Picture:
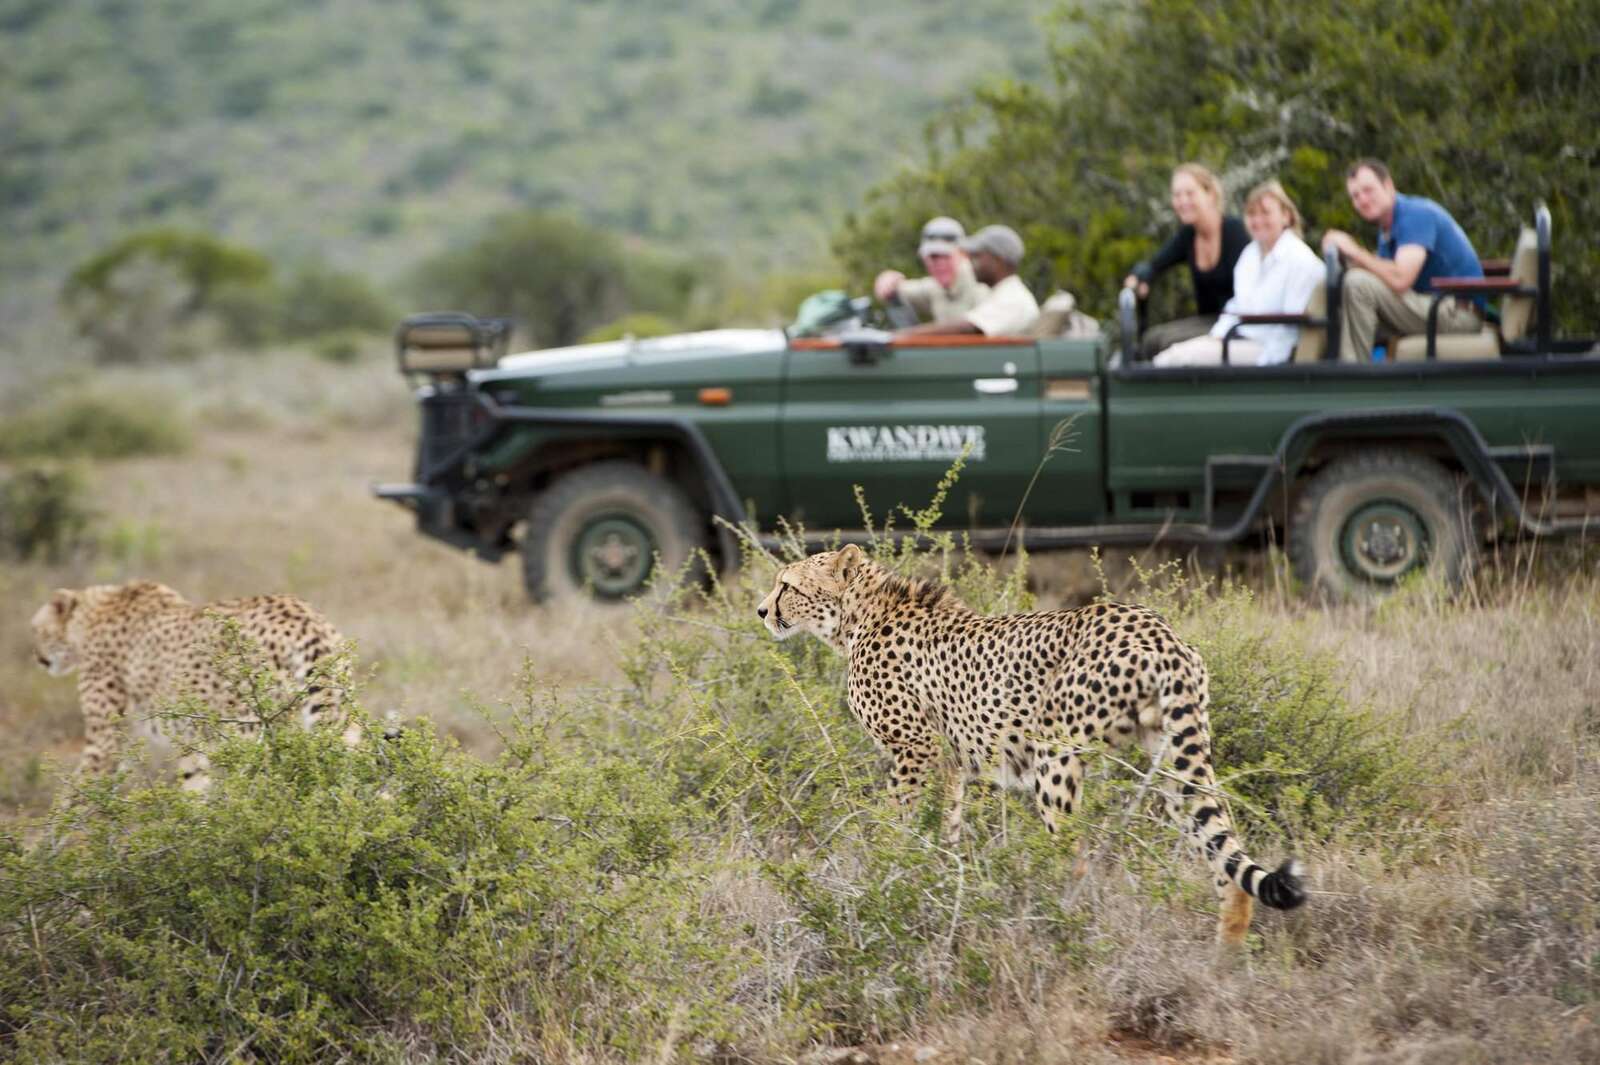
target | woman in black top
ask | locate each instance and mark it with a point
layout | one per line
(1208, 241)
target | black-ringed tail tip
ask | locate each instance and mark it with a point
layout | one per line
(1284, 889)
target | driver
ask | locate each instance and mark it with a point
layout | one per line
(1009, 309)
(950, 290)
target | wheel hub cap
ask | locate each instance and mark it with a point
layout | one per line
(614, 555)
(1383, 541)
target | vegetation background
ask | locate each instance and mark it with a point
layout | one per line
(735, 155)
(652, 834)
(369, 136)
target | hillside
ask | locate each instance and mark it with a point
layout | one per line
(370, 134)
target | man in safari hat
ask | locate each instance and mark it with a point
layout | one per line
(950, 289)
(1009, 309)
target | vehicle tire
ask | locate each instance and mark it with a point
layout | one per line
(1369, 520)
(599, 529)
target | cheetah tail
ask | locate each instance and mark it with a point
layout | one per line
(1282, 889)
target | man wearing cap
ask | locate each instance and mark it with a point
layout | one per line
(950, 289)
(1009, 309)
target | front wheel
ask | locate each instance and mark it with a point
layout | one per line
(1368, 521)
(600, 529)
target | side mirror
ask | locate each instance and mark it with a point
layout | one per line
(864, 347)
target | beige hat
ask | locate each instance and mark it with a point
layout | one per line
(941, 236)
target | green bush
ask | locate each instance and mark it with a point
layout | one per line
(92, 425)
(1299, 758)
(326, 903)
(43, 513)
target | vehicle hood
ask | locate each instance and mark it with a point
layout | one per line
(655, 354)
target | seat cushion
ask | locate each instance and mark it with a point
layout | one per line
(1456, 347)
(1517, 311)
(1313, 339)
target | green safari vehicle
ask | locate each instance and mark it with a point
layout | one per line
(597, 460)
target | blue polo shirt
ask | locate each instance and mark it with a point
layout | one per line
(1418, 220)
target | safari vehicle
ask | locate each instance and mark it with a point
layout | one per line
(595, 460)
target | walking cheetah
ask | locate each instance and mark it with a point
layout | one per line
(140, 647)
(1018, 696)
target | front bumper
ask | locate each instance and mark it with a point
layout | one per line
(436, 517)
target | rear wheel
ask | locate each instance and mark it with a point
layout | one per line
(600, 529)
(1368, 521)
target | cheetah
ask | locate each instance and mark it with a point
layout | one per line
(1017, 697)
(140, 647)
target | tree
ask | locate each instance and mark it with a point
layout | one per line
(558, 277)
(132, 300)
(1486, 107)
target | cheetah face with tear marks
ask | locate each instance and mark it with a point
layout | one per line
(805, 596)
(53, 645)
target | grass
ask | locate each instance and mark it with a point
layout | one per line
(791, 910)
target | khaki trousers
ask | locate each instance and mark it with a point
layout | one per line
(1371, 307)
(1163, 336)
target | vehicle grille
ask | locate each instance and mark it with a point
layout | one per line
(447, 425)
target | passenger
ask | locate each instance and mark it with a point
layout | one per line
(1276, 275)
(950, 290)
(1417, 242)
(1208, 241)
(1009, 309)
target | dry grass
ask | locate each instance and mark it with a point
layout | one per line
(1484, 949)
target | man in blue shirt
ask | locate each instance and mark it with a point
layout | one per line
(1417, 242)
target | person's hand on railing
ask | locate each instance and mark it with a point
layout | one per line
(887, 284)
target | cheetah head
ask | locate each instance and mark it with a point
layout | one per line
(805, 597)
(52, 641)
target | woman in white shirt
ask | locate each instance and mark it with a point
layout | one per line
(1276, 275)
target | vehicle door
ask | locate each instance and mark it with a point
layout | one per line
(892, 419)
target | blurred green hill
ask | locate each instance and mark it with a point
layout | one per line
(371, 135)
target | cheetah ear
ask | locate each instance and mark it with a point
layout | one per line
(846, 561)
(64, 602)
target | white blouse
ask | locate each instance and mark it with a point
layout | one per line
(1280, 282)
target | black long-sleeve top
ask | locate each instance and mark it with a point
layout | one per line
(1212, 288)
